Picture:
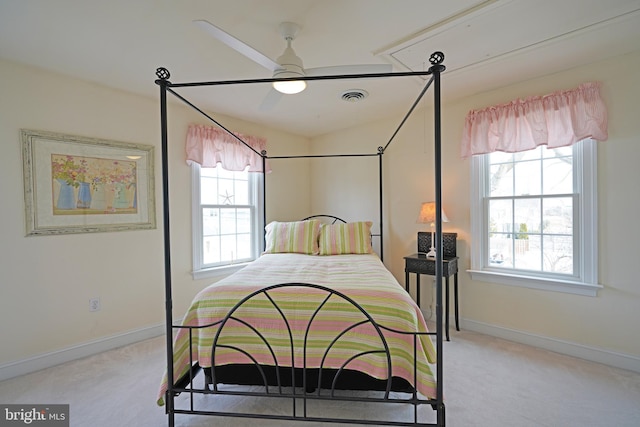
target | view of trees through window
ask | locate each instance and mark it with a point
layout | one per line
(530, 210)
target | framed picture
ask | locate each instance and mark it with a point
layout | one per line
(74, 184)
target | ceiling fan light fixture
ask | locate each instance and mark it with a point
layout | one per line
(291, 66)
(289, 87)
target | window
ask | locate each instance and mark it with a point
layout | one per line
(226, 219)
(534, 218)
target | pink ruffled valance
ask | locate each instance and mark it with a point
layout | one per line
(556, 120)
(210, 146)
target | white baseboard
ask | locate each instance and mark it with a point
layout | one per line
(46, 360)
(593, 354)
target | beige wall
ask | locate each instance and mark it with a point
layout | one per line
(46, 281)
(606, 323)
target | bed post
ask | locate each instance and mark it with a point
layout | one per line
(263, 154)
(380, 153)
(163, 76)
(437, 67)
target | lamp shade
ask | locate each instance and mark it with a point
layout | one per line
(427, 213)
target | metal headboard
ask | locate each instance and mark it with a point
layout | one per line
(330, 218)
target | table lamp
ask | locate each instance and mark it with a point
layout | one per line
(427, 215)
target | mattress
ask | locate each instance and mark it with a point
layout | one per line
(300, 323)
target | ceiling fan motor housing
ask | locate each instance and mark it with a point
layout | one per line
(291, 64)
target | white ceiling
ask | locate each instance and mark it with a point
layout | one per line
(487, 44)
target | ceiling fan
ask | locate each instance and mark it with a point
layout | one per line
(287, 65)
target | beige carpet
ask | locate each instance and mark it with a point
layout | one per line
(488, 382)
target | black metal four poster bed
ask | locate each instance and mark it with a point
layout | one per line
(316, 336)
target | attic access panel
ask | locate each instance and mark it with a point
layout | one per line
(488, 31)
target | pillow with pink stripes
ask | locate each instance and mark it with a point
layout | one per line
(292, 237)
(349, 238)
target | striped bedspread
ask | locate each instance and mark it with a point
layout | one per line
(362, 278)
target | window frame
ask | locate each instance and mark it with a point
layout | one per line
(200, 271)
(585, 230)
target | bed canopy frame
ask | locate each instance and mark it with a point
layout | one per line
(166, 86)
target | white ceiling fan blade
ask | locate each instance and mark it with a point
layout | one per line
(349, 69)
(270, 101)
(238, 45)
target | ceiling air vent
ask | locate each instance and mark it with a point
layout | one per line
(354, 95)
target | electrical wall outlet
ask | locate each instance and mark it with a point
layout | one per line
(94, 304)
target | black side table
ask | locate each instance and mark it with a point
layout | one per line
(420, 264)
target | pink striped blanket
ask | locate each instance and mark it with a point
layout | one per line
(363, 278)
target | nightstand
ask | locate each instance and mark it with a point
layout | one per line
(420, 264)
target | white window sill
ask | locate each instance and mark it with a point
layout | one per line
(226, 270)
(569, 287)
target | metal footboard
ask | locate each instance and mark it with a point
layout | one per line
(302, 385)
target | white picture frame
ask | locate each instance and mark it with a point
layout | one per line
(75, 184)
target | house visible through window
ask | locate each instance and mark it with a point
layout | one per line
(226, 218)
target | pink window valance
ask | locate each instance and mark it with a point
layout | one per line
(555, 120)
(210, 146)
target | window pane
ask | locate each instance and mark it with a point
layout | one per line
(500, 216)
(500, 230)
(527, 252)
(225, 174)
(527, 216)
(228, 250)
(241, 192)
(558, 215)
(558, 152)
(243, 221)
(500, 251)
(226, 192)
(209, 172)
(244, 246)
(501, 180)
(227, 221)
(210, 222)
(500, 157)
(208, 190)
(534, 154)
(211, 250)
(558, 254)
(528, 180)
(558, 175)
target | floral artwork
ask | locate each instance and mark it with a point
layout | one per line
(92, 185)
(77, 184)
